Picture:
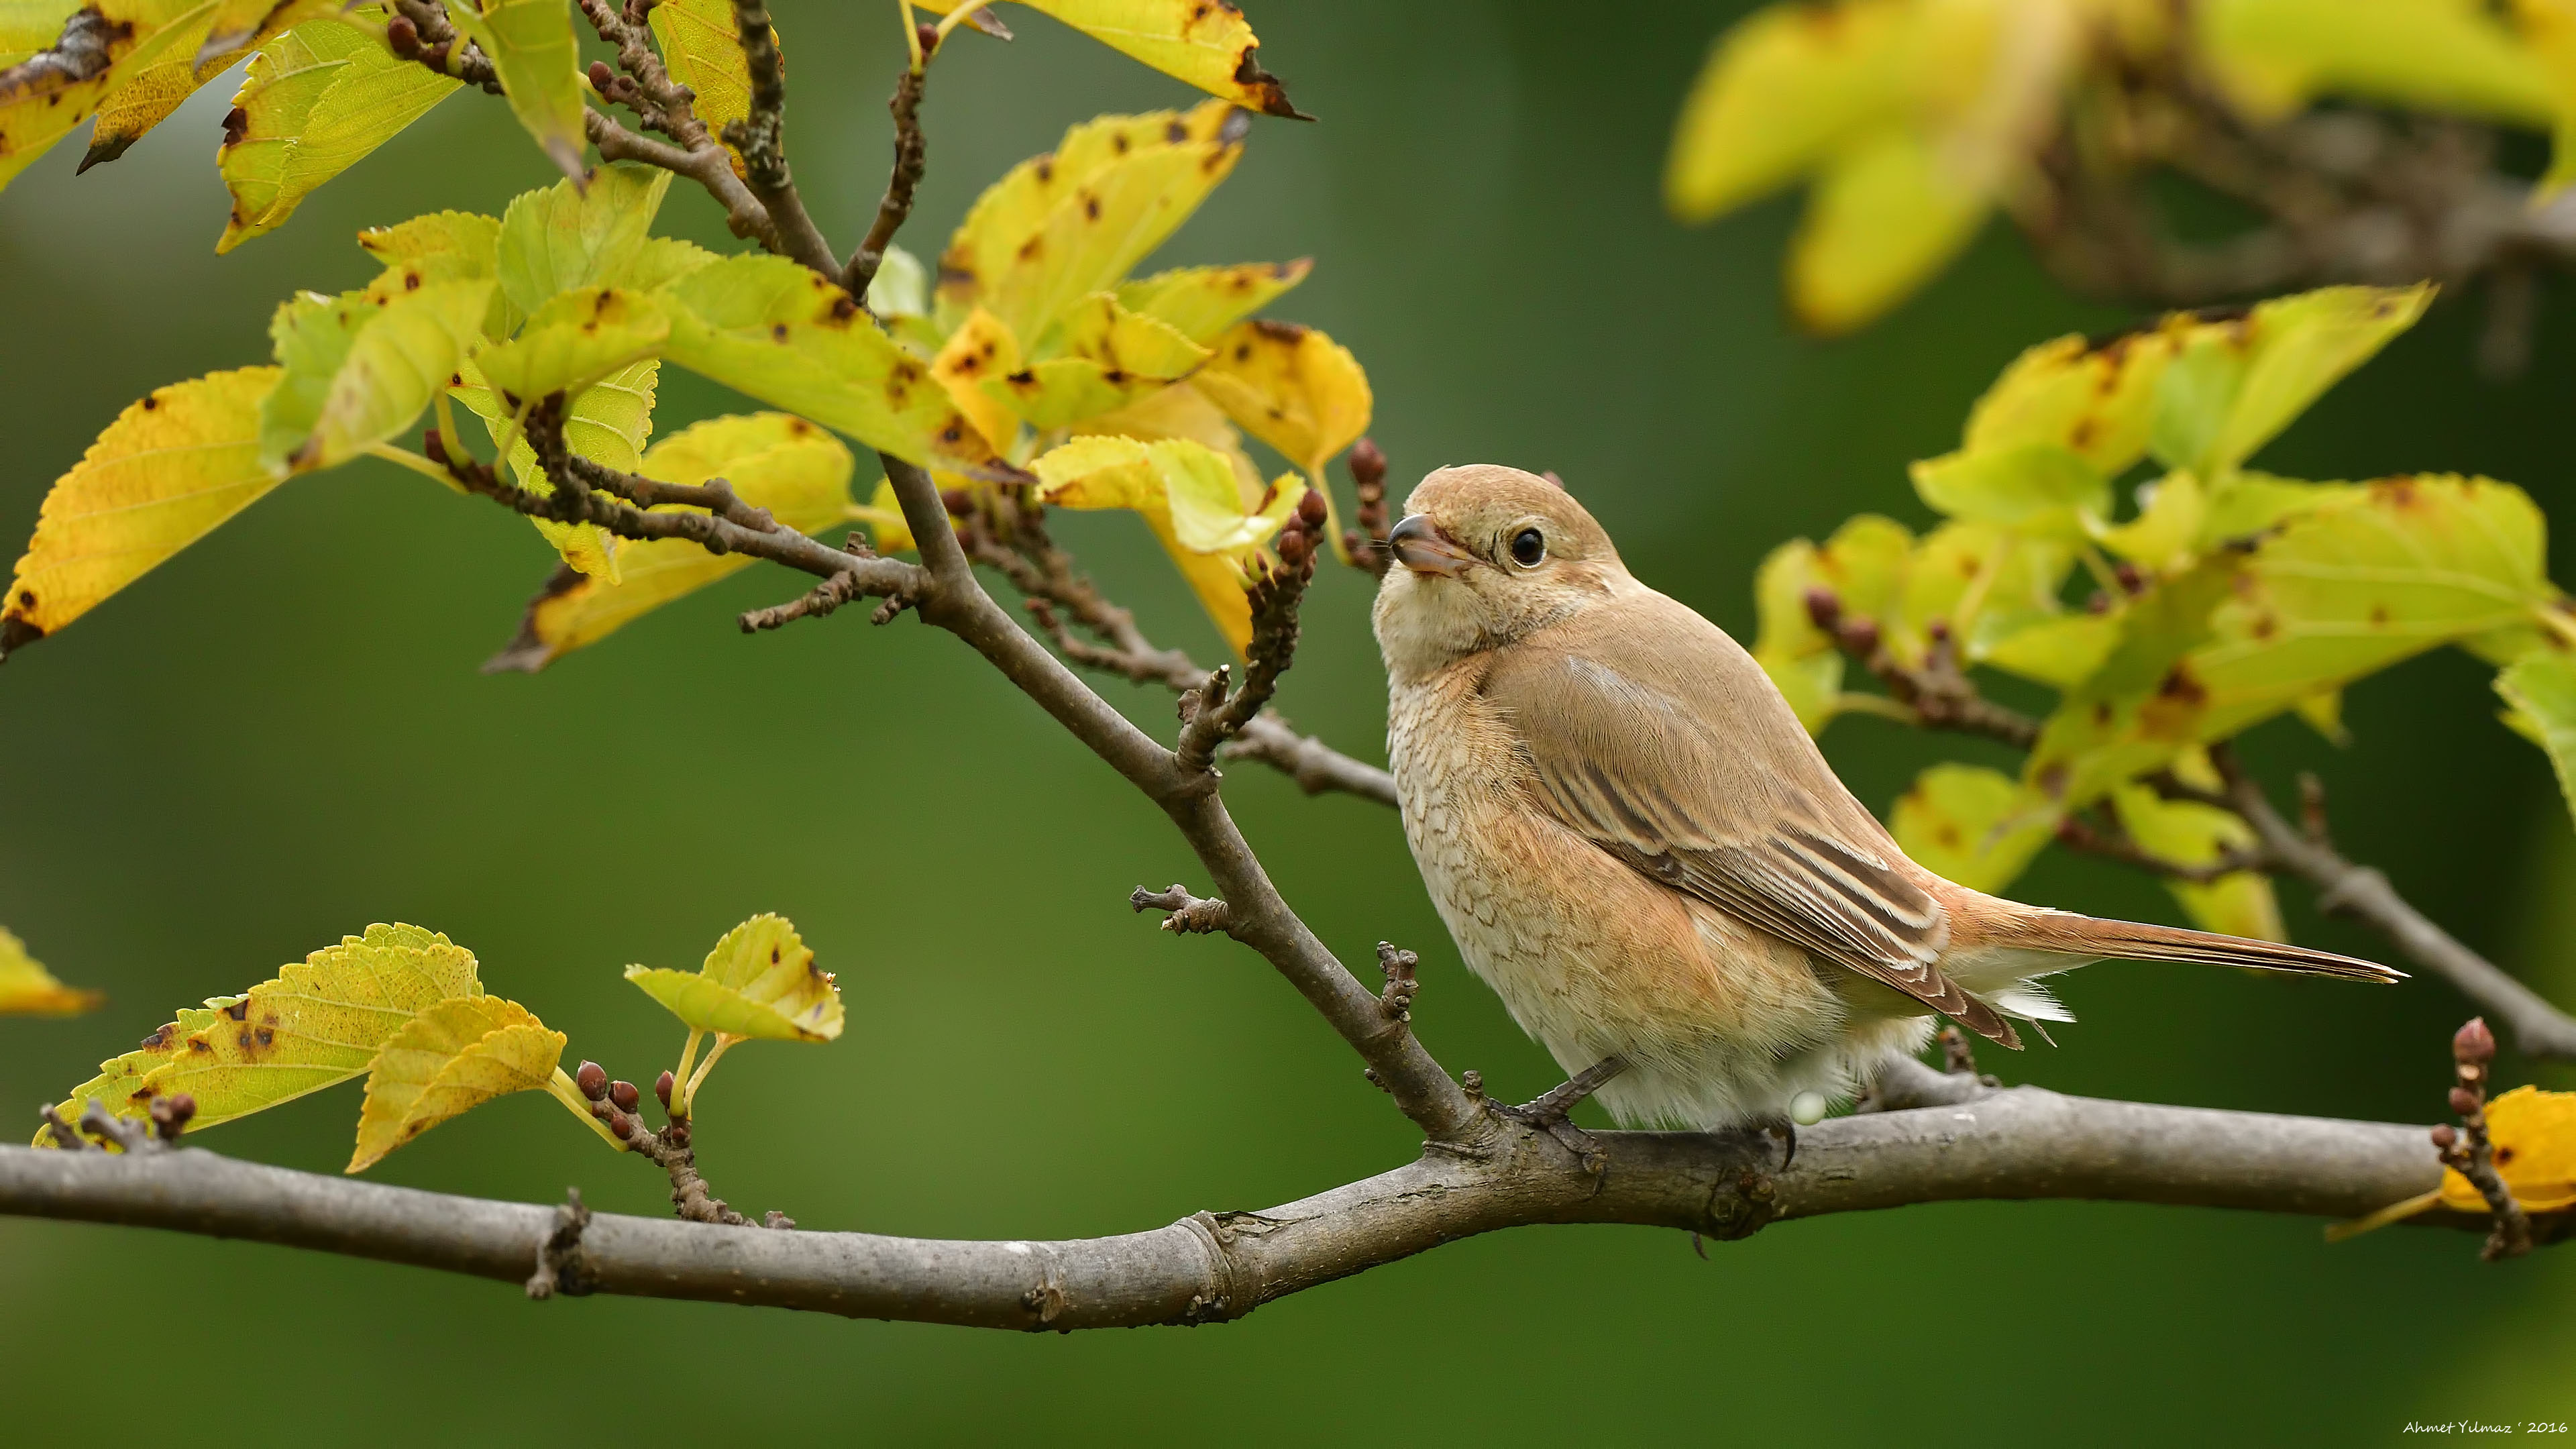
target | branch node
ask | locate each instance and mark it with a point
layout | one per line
(559, 1252)
(1396, 1001)
(1190, 915)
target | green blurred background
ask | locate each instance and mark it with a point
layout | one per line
(282, 736)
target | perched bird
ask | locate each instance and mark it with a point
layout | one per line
(1637, 845)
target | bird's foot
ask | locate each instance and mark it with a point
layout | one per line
(1548, 1112)
(1787, 1131)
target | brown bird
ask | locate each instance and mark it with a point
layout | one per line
(1637, 845)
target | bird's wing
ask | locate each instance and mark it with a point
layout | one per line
(1653, 734)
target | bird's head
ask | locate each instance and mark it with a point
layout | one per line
(1484, 557)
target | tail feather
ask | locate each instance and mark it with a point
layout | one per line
(2087, 936)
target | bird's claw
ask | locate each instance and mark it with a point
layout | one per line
(1548, 1112)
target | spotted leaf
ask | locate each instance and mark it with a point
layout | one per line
(452, 1057)
(760, 982)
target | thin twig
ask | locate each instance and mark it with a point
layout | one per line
(2468, 1151)
(1189, 915)
(911, 154)
(760, 137)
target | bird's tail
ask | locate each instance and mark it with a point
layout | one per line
(2065, 933)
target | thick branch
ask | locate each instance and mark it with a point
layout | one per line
(2023, 1143)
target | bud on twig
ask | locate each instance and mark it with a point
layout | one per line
(592, 1078)
(402, 37)
(2473, 1045)
(433, 447)
(1824, 608)
(662, 1090)
(624, 1096)
(602, 79)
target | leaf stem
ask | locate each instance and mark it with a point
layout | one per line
(724, 1043)
(679, 1105)
(561, 1088)
(405, 458)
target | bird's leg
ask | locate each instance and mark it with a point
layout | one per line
(1786, 1129)
(1548, 1111)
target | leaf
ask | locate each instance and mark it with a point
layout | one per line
(1975, 826)
(2271, 57)
(2541, 688)
(446, 246)
(772, 329)
(316, 1024)
(981, 349)
(315, 102)
(606, 423)
(1200, 302)
(759, 982)
(361, 367)
(1112, 358)
(163, 475)
(1290, 386)
(2040, 489)
(569, 236)
(575, 340)
(62, 82)
(2549, 28)
(2097, 402)
(901, 287)
(1204, 42)
(1982, 582)
(2186, 832)
(1061, 226)
(1881, 220)
(2534, 1137)
(2236, 384)
(151, 81)
(798, 472)
(702, 49)
(28, 989)
(453, 1057)
(533, 50)
(1192, 498)
(2060, 652)
(1863, 568)
(1782, 91)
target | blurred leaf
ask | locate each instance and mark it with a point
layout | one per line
(2272, 57)
(2534, 1137)
(2060, 652)
(1972, 825)
(360, 368)
(901, 287)
(798, 472)
(569, 236)
(1863, 567)
(1059, 227)
(2323, 712)
(1290, 386)
(770, 328)
(606, 423)
(1781, 92)
(29, 26)
(2170, 528)
(28, 989)
(1884, 216)
(453, 1057)
(2041, 489)
(1201, 302)
(760, 982)
(2239, 382)
(981, 350)
(533, 50)
(1982, 581)
(1210, 46)
(316, 1024)
(702, 49)
(314, 102)
(2094, 401)
(2188, 833)
(163, 475)
(2541, 688)
(2549, 28)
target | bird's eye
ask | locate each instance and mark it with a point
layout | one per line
(1529, 548)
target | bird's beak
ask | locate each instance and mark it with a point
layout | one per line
(1419, 545)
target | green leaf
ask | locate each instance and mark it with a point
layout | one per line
(1885, 216)
(2271, 57)
(773, 330)
(453, 1057)
(2060, 652)
(361, 367)
(760, 982)
(1201, 302)
(2238, 383)
(28, 989)
(1782, 92)
(2541, 689)
(901, 287)
(571, 235)
(797, 471)
(314, 102)
(1982, 581)
(607, 423)
(574, 341)
(314, 1025)
(2042, 489)
(1972, 825)
(167, 472)
(701, 46)
(2094, 401)
(533, 50)
(2185, 832)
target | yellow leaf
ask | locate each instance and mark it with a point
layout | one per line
(28, 989)
(760, 982)
(453, 1057)
(151, 81)
(2271, 57)
(702, 49)
(446, 246)
(1182, 412)
(532, 48)
(981, 349)
(1189, 495)
(1112, 358)
(2534, 1136)
(1781, 92)
(2061, 652)
(2236, 383)
(318, 1023)
(1204, 42)
(2188, 833)
(2541, 688)
(1290, 386)
(2549, 28)
(1883, 217)
(797, 471)
(29, 26)
(2096, 402)
(314, 102)
(1061, 226)
(64, 80)
(568, 236)
(1973, 825)
(574, 341)
(772, 329)
(1200, 302)
(360, 368)
(167, 472)
(606, 423)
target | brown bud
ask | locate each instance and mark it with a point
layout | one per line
(1294, 546)
(433, 447)
(619, 1122)
(2100, 603)
(1824, 607)
(2445, 1137)
(928, 35)
(662, 1090)
(1368, 465)
(1860, 636)
(2463, 1101)
(592, 1078)
(1939, 630)
(624, 1096)
(2131, 577)
(957, 501)
(1312, 509)
(170, 1114)
(402, 37)
(2473, 1044)
(602, 79)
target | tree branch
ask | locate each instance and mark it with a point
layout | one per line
(761, 138)
(911, 154)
